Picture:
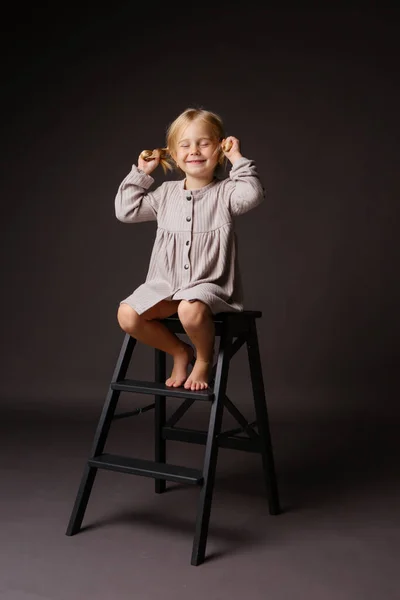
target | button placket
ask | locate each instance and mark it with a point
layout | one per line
(188, 239)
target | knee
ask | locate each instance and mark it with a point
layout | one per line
(193, 314)
(128, 318)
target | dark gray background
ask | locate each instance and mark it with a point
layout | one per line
(313, 96)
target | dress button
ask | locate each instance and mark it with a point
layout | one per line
(187, 243)
(186, 266)
(188, 218)
(188, 197)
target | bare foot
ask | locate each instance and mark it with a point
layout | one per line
(181, 362)
(198, 378)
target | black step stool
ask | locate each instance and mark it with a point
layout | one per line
(234, 330)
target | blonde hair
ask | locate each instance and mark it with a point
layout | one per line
(165, 158)
(213, 120)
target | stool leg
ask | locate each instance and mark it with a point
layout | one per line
(159, 418)
(100, 438)
(262, 420)
(211, 451)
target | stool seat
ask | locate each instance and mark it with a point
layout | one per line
(234, 331)
(222, 316)
(238, 321)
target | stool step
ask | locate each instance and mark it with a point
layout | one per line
(147, 468)
(160, 389)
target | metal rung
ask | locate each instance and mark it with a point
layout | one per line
(134, 413)
(160, 389)
(147, 468)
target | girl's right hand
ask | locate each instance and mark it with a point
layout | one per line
(149, 163)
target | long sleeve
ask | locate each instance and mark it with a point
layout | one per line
(133, 203)
(244, 188)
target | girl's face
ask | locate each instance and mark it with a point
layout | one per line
(197, 150)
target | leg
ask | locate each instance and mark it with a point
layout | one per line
(196, 318)
(211, 451)
(160, 410)
(100, 437)
(266, 450)
(146, 328)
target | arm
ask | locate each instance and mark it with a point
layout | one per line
(133, 203)
(244, 188)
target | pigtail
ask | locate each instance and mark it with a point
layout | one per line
(165, 158)
(226, 145)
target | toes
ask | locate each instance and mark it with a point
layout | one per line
(173, 382)
(195, 386)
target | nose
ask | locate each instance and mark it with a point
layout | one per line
(194, 149)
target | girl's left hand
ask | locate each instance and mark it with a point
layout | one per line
(231, 148)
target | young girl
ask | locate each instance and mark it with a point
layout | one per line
(193, 267)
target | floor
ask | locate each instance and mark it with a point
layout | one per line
(337, 537)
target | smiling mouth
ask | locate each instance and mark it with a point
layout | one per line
(195, 161)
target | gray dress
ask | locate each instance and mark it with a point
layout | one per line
(194, 256)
